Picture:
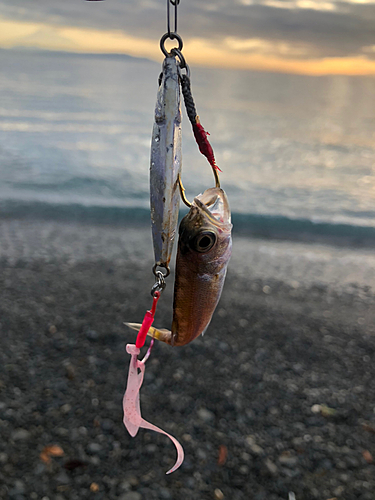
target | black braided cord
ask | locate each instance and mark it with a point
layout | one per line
(188, 99)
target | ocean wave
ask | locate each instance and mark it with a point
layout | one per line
(244, 225)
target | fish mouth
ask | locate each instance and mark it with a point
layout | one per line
(215, 205)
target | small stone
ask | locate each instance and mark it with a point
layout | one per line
(316, 408)
(339, 490)
(254, 448)
(271, 467)
(95, 460)
(164, 494)
(52, 329)
(94, 487)
(131, 495)
(39, 469)
(3, 458)
(201, 454)
(150, 449)
(62, 478)
(205, 415)
(258, 450)
(94, 448)
(61, 431)
(65, 408)
(107, 424)
(244, 470)
(366, 455)
(92, 335)
(326, 464)
(125, 486)
(288, 460)
(133, 480)
(266, 289)
(19, 487)
(70, 371)
(20, 435)
(352, 462)
(219, 495)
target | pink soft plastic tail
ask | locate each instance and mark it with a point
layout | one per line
(132, 411)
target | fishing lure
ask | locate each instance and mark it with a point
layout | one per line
(131, 404)
(165, 165)
(204, 250)
(165, 170)
(205, 243)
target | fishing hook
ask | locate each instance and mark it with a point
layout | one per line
(182, 189)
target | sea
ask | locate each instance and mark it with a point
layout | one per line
(297, 153)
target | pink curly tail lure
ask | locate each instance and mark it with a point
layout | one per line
(131, 404)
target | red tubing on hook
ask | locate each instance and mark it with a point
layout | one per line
(147, 322)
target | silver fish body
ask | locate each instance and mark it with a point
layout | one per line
(204, 250)
(165, 165)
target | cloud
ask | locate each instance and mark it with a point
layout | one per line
(45, 37)
(291, 30)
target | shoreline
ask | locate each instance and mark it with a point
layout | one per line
(295, 263)
(252, 225)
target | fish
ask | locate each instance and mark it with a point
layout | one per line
(203, 254)
(165, 163)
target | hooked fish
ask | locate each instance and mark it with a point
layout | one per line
(204, 250)
(165, 165)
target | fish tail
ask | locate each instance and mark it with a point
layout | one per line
(161, 334)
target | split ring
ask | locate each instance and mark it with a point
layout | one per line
(172, 36)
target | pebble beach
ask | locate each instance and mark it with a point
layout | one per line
(275, 402)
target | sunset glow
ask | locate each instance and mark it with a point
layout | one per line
(252, 53)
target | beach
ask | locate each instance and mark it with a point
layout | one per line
(277, 400)
(277, 397)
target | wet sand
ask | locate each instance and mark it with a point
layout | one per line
(277, 397)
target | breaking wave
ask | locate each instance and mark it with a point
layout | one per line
(244, 225)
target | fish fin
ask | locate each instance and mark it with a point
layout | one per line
(161, 334)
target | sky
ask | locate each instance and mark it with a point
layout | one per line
(293, 36)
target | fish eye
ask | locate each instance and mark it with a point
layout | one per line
(204, 241)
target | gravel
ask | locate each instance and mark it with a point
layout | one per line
(277, 398)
